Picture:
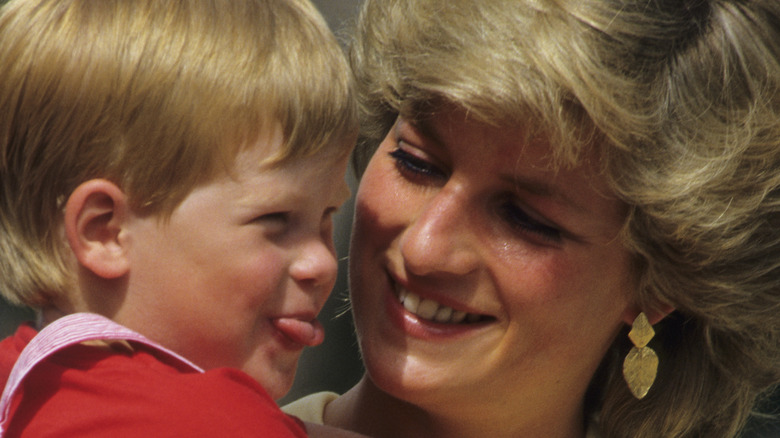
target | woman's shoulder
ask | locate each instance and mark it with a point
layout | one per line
(312, 407)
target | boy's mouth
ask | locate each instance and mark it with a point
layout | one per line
(304, 332)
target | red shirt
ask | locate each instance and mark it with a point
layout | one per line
(88, 391)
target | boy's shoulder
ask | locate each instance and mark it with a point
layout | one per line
(85, 384)
(125, 387)
(11, 347)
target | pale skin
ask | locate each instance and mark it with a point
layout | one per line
(235, 277)
(470, 219)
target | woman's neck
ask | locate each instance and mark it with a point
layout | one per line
(368, 410)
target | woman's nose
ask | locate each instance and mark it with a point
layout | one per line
(441, 238)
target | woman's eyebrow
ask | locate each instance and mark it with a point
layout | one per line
(416, 128)
(535, 186)
(542, 188)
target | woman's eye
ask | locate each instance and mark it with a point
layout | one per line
(407, 162)
(518, 219)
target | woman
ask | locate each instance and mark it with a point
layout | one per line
(553, 174)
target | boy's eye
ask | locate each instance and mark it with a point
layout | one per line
(411, 164)
(520, 220)
(274, 217)
(274, 223)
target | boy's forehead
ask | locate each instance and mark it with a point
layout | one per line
(259, 158)
(264, 158)
(272, 150)
(294, 180)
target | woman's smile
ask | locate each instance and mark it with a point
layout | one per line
(431, 310)
(430, 315)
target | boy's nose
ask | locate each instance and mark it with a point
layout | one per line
(316, 265)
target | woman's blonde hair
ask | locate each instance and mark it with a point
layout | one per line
(682, 101)
(156, 95)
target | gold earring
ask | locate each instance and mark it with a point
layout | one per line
(641, 363)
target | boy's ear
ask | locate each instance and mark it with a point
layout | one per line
(95, 215)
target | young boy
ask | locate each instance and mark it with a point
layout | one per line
(169, 173)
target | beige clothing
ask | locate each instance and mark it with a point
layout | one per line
(312, 408)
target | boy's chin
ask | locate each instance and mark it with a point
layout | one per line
(277, 383)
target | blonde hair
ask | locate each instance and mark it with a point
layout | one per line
(156, 95)
(682, 101)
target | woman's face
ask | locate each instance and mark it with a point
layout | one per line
(482, 278)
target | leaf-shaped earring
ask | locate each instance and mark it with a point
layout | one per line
(641, 363)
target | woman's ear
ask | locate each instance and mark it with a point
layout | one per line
(654, 315)
(95, 215)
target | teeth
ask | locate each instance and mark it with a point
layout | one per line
(411, 302)
(427, 309)
(432, 311)
(458, 316)
(443, 314)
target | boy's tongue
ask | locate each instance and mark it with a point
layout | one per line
(308, 333)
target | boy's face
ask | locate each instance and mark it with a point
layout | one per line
(239, 273)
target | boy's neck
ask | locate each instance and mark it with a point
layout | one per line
(47, 315)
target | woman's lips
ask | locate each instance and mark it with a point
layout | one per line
(426, 318)
(431, 310)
